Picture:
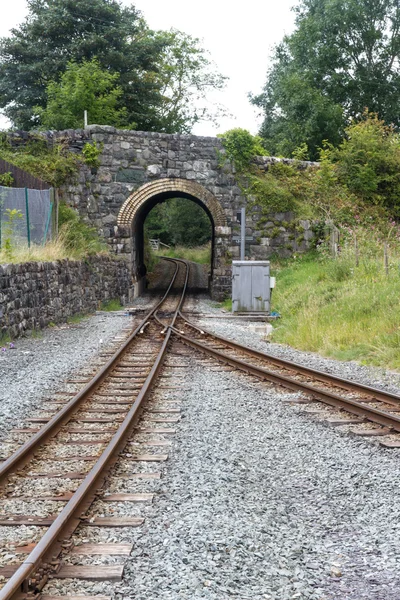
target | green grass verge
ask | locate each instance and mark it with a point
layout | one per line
(340, 310)
(200, 254)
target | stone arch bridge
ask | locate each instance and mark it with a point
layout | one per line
(138, 170)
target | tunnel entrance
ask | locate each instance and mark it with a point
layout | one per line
(137, 207)
(179, 228)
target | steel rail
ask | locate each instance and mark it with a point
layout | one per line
(352, 406)
(178, 309)
(25, 452)
(71, 515)
(346, 384)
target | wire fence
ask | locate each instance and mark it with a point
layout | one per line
(25, 216)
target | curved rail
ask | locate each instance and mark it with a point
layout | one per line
(347, 384)
(360, 409)
(49, 546)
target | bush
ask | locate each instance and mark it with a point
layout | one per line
(77, 237)
(241, 147)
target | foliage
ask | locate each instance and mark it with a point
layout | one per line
(184, 77)
(81, 87)
(368, 162)
(341, 58)
(161, 74)
(111, 305)
(179, 222)
(6, 179)
(9, 226)
(338, 309)
(76, 236)
(91, 153)
(296, 114)
(241, 147)
(56, 32)
(355, 183)
(51, 164)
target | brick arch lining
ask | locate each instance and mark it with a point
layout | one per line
(147, 191)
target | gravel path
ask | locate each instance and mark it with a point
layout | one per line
(37, 366)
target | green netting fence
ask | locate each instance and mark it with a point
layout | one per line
(26, 216)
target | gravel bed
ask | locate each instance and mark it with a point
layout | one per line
(37, 366)
(240, 331)
(258, 502)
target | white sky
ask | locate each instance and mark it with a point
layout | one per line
(239, 37)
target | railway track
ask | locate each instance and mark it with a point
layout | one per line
(116, 420)
(358, 403)
(81, 443)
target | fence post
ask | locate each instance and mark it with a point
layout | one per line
(356, 249)
(56, 204)
(385, 258)
(47, 224)
(28, 226)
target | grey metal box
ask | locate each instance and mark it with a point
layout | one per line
(250, 286)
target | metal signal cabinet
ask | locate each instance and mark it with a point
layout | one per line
(251, 286)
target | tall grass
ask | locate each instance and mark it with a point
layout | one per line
(54, 250)
(338, 309)
(199, 254)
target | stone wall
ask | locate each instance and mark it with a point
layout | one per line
(34, 294)
(132, 160)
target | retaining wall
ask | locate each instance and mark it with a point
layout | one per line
(34, 294)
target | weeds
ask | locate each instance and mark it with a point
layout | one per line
(339, 309)
(111, 305)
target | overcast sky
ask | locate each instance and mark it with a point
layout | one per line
(239, 36)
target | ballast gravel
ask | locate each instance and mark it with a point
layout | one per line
(240, 330)
(36, 367)
(257, 500)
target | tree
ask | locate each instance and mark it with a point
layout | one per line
(184, 77)
(83, 87)
(57, 32)
(342, 58)
(162, 74)
(179, 222)
(368, 163)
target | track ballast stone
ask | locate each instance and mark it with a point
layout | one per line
(259, 503)
(38, 366)
(257, 500)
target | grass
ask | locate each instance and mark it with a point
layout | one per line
(74, 319)
(52, 251)
(111, 305)
(340, 310)
(227, 304)
(199, 254)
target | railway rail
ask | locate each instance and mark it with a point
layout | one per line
(366, 403)
(114, 399)
(116, 394)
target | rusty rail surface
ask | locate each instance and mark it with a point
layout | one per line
(50, 545)
(347, 384)
(25, 453)
(374, 415)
